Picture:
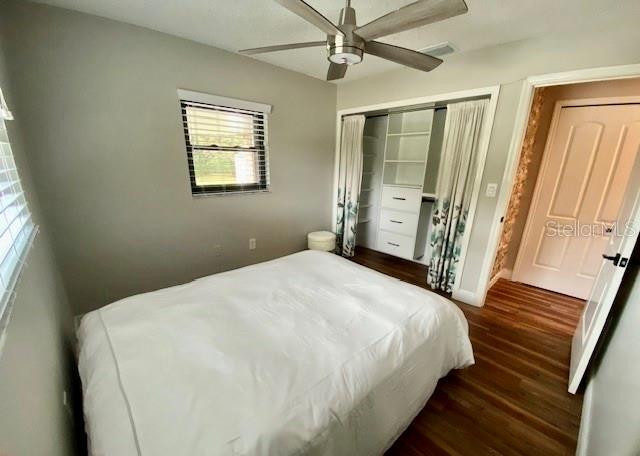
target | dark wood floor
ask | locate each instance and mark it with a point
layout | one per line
(514, 400)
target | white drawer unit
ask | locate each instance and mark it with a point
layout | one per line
(401, 198)
(399, 222)
(396, 244)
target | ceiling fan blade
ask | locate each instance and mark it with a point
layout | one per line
(282, 47)
(310, 15)
(402, 55)
(336, 71)
(410, 16)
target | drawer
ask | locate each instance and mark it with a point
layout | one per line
(398, 222)
(396, 244)
(401, 198)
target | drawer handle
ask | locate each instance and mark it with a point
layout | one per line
(398, 198)
(395, 221)
(393, 244)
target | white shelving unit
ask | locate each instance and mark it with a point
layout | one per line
(406, 159)
(400, 170)
(374, 139)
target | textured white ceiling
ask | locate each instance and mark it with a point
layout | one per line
(238, 24)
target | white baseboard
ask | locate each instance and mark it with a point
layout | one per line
(466, 296)
(502, 274)
(493, 280)
(469, 297)
(585, 422)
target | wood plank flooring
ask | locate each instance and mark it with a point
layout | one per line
(514, 400)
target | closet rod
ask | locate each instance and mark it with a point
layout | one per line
(438, 106)
(402, 111)
(375, 115)
(435, 108)
(386, 113)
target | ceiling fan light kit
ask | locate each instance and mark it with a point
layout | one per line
(347, 43)
(346, 49)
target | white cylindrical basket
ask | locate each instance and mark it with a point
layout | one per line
(321, 240)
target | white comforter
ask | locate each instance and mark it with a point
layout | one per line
(306, 354)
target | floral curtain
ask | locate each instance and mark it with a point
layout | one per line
(349, 182)
(458, 166)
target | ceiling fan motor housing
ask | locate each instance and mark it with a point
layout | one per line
(347, 49)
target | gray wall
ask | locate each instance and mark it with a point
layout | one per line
(36, 362)
(109, 159)
(506, 65)
(611, 412)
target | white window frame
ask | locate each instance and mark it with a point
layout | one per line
(261, 112)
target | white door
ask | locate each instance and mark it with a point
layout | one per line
(607, 282)
(583, 178)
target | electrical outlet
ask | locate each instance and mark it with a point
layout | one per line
(252, 244)
(217, 250)
(492, 189)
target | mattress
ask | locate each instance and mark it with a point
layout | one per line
(306, 354)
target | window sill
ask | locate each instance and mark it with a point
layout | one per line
(218, 194)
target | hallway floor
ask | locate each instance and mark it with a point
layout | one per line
(514, 400)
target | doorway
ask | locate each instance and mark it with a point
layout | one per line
(578, 151)
(599, 123)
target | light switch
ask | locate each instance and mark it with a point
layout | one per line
(492, 189)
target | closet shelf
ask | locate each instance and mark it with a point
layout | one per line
(402, 185)
(367, 220)
(368, 155)
(405, 161)
(365, 206)
(366, 189)
(412, 133)
(369, 137)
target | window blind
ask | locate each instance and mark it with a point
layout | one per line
(227, 148)
(16, 228)
(4, 109)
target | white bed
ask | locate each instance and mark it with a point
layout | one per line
(306, 354)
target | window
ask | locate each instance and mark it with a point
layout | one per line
(226, 144)
(16, 227)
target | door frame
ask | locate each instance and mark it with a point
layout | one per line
(604, 101)
(515, 148)
(493, 93)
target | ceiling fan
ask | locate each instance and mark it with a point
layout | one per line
(346, 43)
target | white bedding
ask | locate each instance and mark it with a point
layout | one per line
(306, 354)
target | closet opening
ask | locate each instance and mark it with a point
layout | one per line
(421, 166)
(401, 157)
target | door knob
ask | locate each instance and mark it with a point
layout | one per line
(615, 258)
